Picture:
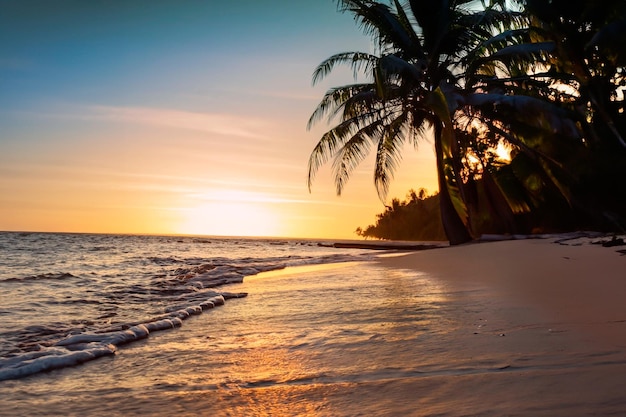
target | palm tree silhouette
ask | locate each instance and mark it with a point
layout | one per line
(415, 80)
(462, 75)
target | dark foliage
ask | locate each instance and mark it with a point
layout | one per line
(546, 81)
(416, 218)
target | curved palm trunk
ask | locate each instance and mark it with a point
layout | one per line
(453, 226)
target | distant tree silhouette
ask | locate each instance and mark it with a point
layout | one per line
(416, 218)
(544, 80)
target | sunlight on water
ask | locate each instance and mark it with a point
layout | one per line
(297, 270)
(58, 285)
(303, 335)
(347, 339)
(300, 335)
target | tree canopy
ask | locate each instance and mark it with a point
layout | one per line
(417, 217)
(544, 81)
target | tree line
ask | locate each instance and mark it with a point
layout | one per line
(417, 217)
(524, 102)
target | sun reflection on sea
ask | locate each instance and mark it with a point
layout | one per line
(305, 342)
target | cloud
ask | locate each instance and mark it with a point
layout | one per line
(246, 196)
(223, 124)
(291, 95)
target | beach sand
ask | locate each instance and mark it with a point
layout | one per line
(557, 312)
(540, 330)
(510, 328)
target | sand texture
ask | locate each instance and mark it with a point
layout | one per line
(509, 328)
(556, 313)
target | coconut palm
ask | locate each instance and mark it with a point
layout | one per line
(418, 87)
(405, 99)
(587, 40)
(506, 99)
(570, 55)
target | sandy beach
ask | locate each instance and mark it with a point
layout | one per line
(540, 330)
(510, 328)
(556, 311)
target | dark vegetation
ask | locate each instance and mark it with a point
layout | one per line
(416, 218)
(542, 79)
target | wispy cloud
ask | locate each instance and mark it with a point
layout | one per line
(246, 196)
(238, 196)
(242, 126)
(224, 124)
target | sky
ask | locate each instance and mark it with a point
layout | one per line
(170, 117)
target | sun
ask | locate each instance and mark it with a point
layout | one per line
(230, 214)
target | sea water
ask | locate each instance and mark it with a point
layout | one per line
(69, 298)
(107, 325)
(154, 325)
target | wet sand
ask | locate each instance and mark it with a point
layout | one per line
(511, 328)
(556, 312)
(574, 284)
(540, 330)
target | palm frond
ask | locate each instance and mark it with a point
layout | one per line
(518, 59)
(530, 51)
(495, 43)
(352, 153)
(493, 20)
(333, 142)
(530, 110)
(320, 154)
(393, 65)
(334, 100)
(359, 62)
(388, 154)
(416, 51)
(378, 20)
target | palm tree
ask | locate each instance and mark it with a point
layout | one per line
(507, 100)
(419, 87)
(405, 101)
(587, 41)
(569, 55)
(470, 79)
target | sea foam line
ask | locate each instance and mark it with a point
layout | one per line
(84, 347)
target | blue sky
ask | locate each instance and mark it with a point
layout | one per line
(133, 51)
(156, 116)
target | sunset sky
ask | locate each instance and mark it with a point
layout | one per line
(146, 116)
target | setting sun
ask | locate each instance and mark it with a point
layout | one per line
(150, 120)
(236, 213)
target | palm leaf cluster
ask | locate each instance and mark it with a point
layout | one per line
(474, 78)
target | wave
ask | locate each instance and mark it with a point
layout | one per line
(46, 276)
(118, 289)
(84, 347)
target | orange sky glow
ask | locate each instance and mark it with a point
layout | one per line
(138, 119)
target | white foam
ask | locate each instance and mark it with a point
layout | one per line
(164, 324)
(217, 300)
(78, 348)
(55, 359)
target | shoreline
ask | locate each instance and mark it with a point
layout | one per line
(553, 308)
(573, 279)
(523, 327)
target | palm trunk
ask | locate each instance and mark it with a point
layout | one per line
(453, 226)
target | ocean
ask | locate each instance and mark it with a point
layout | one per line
(112, 325)
(97, 324)
(69, 297)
